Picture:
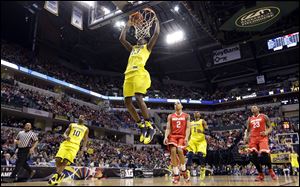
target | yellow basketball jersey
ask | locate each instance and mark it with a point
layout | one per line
(77, 133)
(294, 158)
(137, 60)
(197, 129)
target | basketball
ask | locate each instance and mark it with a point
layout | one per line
(136, 18)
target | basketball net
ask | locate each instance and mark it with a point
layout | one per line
(142, 22)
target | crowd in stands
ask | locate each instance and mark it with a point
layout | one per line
(113, 86)
(101, 153)
(237, 118)
(13, 95)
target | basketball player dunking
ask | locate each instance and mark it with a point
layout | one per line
(176, 136)
(258, 129)
(137, 79)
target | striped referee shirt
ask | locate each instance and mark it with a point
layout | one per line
(26, 138)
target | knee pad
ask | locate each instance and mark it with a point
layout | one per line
(265, 158)
(199, 154)
(253, 156)
(190, 156)
(201, 158)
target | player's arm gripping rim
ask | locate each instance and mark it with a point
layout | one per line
(122, 38)
(247, 133)
(154, 37)
(188, 130)
(168, 130)
(269, 127)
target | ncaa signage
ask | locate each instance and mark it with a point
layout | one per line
(227, 54)
(260, 17)
(257, 16)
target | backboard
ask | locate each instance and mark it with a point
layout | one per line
(106, 12)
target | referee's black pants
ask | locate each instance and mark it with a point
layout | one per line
(22, 157)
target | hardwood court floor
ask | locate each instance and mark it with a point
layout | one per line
(166, 181)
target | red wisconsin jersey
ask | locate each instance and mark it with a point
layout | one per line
(257, 124)
(178, 124)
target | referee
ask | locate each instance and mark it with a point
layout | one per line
(26, 141)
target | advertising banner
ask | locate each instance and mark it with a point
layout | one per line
(77, 17)
(37, 112)
(52, 6)
(226, 54)
(280, 158)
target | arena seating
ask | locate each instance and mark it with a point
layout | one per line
(116, 154)
(109, 86)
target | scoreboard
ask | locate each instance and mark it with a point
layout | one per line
(289, 40)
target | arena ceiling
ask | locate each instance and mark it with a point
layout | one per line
(190, 60)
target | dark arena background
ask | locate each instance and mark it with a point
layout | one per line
(62, 59)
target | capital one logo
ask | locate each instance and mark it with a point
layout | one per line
(257, 17)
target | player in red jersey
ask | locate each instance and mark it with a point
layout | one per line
(258, 129)
(176, 137)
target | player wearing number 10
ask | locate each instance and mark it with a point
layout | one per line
(68, 149)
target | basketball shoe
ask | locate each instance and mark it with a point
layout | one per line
(56, 179)
(175, 179)
(202, 174)
(143, 128)
(186, 175)
(53, 180)
(260, 177)
(273, 175)
(151, 133)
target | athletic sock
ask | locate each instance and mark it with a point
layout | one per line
(176, 170)
(183, 168)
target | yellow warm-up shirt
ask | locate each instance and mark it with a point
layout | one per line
(197, 130)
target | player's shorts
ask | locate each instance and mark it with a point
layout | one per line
(259, 144)
(176, 140)
(68, 151)
(136, 84)
(197, 146)
(295, 164)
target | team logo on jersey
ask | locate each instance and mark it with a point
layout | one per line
(178, 119)
(255, 120)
